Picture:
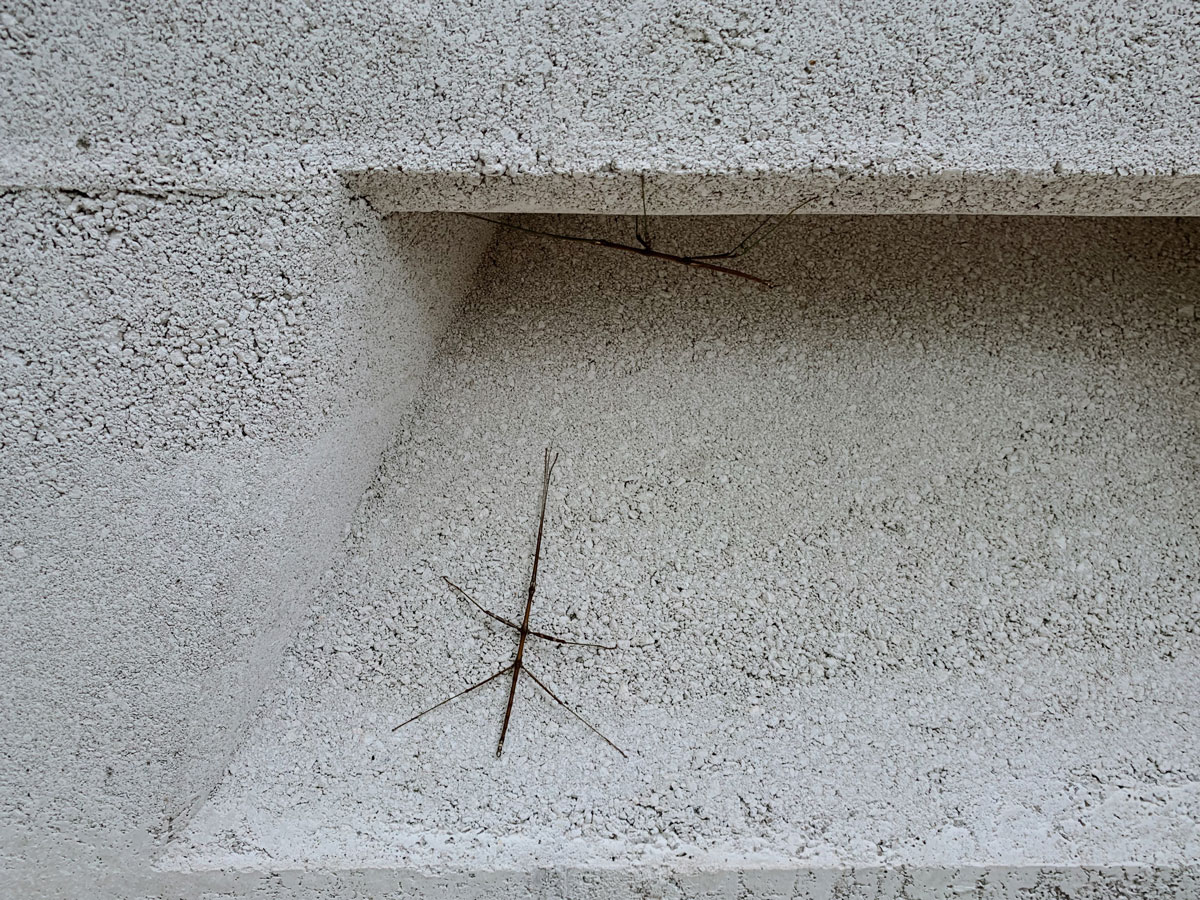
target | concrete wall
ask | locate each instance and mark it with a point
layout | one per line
(206, 342)
(900, 558)
(1025, 106)
(195, 392)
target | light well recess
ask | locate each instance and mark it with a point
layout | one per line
(902, 556)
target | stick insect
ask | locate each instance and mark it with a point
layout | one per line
(517, 666)
(644, 248)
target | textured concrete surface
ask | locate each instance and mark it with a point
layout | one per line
(195, 392)
(904, 580)
(609, 883)
(994, 106)
(206, 341)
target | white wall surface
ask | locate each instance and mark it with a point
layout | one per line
(205, 342)
(991, 106)
(195, 393)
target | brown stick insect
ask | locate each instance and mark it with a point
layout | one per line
(517, 666)
(644, 248)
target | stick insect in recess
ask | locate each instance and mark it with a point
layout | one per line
(707, 261)
(517, 666)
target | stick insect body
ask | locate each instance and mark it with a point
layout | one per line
(642, 233)
(517, 666)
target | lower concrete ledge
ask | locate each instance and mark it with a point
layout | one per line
(747, 883)
(933, 786)
(246, 880)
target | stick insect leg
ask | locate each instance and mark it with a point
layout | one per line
(558, 640)
(462, 693)
(556, 699)
(642, 226)
(749, 242)
(487, 612)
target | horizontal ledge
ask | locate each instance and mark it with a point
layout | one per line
(392, 190)
(805, 882)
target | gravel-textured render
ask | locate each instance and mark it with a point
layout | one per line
(901, 558)
(966, 106)
(212, 324)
